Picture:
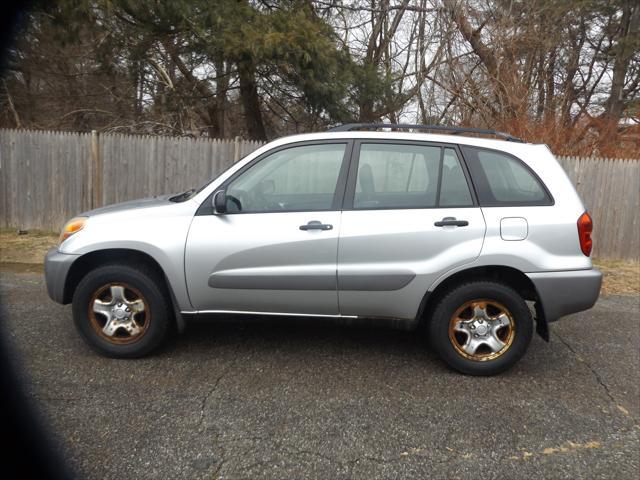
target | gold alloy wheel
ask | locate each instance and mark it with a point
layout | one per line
(482, 330)
(119, 313)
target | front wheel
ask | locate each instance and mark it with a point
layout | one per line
(121, 311)
(481, 328)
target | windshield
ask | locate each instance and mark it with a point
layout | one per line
(184, 196)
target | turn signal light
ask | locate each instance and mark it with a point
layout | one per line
(585, 227)
(72, 226)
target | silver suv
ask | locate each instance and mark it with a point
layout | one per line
(456, 233)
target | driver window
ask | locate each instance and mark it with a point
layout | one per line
(295, 179)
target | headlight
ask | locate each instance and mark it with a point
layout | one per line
(72, 226)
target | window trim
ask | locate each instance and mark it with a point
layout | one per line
(206, 207)
(549, 202)
(349, 196)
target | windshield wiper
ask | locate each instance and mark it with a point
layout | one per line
(183, 196)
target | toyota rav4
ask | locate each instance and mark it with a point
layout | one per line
(480, 240)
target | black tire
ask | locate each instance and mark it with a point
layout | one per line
(151, 290)
(520, 321)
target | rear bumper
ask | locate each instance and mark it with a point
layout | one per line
(563, 293)
(56, 270)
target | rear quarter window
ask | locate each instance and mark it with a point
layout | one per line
(503, 180)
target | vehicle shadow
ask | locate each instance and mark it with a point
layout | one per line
(310, 339)
(300, 335)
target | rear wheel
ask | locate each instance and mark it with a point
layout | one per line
(481, 328)
(121, 311)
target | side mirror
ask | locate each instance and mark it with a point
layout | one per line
(220, 202)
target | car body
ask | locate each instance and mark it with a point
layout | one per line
(349, 224)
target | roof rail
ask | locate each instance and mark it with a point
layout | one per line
(348, 127)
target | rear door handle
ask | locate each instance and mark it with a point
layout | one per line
(316, 225)
(451, 222)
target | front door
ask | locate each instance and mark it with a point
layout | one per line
(275, 249)
(409, 217)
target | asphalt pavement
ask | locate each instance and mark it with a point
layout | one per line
(301, 400)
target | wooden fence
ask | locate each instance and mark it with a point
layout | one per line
(610, 190)
(47, 177)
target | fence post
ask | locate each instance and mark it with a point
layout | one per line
(236, 149)
(96, 170)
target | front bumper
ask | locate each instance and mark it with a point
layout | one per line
(563, 293)
(56, 270)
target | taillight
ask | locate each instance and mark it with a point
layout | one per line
(585, 227)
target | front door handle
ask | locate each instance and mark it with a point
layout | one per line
(316, 225)
(451, 222)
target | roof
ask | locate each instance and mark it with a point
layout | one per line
(350, 127)
(514, 148)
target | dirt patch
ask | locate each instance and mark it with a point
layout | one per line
(620, 277)
(28, 248)
(17, 267)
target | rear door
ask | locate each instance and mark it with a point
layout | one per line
(409, 216)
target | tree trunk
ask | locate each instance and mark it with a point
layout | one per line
(629, 26)
(251, 101)
(541, 90)
(207, 112)
(550, 95)
(505, 83)
(222, 85)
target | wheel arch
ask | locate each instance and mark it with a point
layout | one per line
(97, 258)
(510, 276)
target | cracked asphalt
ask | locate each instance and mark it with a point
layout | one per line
(305, 400)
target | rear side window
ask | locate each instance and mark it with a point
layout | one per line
(503, 180)
(397, 176)
(409, 176)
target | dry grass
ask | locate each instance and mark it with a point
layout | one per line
(29, 248)
(620, 277)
